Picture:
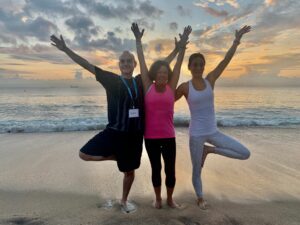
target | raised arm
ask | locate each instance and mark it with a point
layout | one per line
(61, 45)
(216, 73)
(173, 54)
(182, 46)
(139, 49)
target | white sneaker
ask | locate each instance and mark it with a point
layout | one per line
(128, 207)
(108, 205)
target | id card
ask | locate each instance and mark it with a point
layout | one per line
(133, 113)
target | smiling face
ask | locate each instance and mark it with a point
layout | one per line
(196, 64)
(160, 73)
(127, 63)
(161, 77)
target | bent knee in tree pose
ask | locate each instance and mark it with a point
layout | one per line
(199, 93)
(122, 138)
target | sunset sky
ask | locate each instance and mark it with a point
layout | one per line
(100, 30)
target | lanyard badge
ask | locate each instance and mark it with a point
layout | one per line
(132, 113)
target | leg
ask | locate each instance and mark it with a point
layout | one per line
(99, 148)
(128, 155)
(227, 146)
(127, 183)
(196, 150)
(87, 157)
(154, 153)
(206, 150)
(169, 156)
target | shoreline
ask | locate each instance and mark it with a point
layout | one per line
(178, 126)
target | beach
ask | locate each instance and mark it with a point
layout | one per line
(43, 181)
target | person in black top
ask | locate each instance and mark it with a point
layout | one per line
(122, 139)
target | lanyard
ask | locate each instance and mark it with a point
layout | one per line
(129, 90)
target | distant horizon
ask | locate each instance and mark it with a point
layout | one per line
(90, 82)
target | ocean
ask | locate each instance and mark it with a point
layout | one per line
(74, 108)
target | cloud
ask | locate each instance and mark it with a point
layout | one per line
(84, 29)
(7, 39)
(183, 11)
(11, 73)
(205, 3)
(13, 25)
(272, 22)
(51, 8)
(270, 2)
(173, 26)
(111, 42)
(36, 53)
(122, 11)
(276, 63)
(214, 12)
(38, 18)
(143, 23)
(118, 30)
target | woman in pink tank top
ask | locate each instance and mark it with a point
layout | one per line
(159, 85)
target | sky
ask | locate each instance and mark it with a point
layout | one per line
(99, 30)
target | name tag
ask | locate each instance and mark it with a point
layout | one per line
(133, 113)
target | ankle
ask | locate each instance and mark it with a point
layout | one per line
(170, 199)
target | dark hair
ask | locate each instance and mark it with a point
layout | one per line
(156, 66)
(194, 56)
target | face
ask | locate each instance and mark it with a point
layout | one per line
(197, 67)
(162, 76)
(127, 64)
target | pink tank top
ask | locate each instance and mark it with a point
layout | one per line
(159, 110)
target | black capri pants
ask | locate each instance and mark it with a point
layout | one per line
(167, 148)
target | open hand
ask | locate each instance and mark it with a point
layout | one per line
(183, 38)
(58, 43)
(239, 33)
(136, 31)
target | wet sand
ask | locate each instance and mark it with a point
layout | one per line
(42, 181)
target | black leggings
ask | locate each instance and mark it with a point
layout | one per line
(167, 148)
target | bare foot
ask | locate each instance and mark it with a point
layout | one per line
(202, 204)
(171, 203)
(157, 204)
(206, 150)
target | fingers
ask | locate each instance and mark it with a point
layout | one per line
(53, 38)
(61, 38)
(245, 29)
(187, 30)
(134, 27)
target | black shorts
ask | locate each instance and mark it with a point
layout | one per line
(126, 147)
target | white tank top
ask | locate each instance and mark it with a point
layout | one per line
(201, 104)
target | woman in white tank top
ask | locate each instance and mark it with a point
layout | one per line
(203, 128)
